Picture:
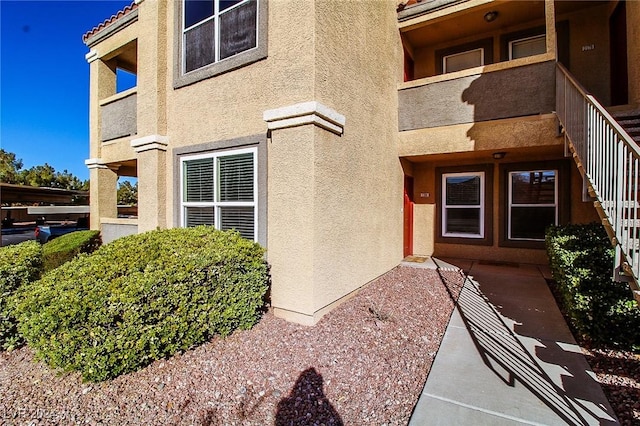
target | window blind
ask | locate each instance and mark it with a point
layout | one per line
(236, 177)
(198, 178)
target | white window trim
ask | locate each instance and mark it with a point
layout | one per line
(512, 42)
(218, 204)
(444, 58)
(510, 202)
(216, 17)
(481, 205)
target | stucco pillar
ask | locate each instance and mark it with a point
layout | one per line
(102, 84)
(103, 191)
(152, 189)
(292, 206)
(633, 51)
(550, 22)
(153, 70)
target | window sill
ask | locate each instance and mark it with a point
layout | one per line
(234, 62)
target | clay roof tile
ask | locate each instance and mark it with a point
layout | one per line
(128, 9)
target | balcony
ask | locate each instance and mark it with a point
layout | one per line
(119, 115)
(114, 228)
(504, 90)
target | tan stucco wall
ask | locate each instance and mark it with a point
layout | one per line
(291, 212)
(231, 105)
(359, 178)
(590, 27)
(504, 135)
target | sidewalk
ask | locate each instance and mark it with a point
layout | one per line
(508, 357)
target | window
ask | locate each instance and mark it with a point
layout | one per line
(533, 203)
(219, 189)
(214, 30)
(463, 60)
(463, 205)
(529, 46)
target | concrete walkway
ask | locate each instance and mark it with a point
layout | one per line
(508, 357)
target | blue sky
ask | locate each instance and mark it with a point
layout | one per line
(44, 80)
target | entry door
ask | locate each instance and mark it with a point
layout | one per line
(408, 216)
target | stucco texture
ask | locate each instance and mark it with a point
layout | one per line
(335, 210)
(359, 211)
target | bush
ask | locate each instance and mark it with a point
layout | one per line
(600, 309)
(66, 247)
(142, 298)
(19, 265)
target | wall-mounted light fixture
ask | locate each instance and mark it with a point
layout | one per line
(499, 155)
(491, 16)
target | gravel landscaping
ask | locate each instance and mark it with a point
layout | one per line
(619, 375)
(364, 363)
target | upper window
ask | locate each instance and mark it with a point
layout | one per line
(533, 203)
(214, 30)
(463, 60)
(219, 189)
(529, 46)
(463, 205)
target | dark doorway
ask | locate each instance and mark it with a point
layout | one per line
(618, 39)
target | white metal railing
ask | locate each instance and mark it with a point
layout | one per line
(611, 162)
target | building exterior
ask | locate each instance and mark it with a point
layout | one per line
(302, 124)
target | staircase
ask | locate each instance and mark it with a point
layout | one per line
(607, 154)
(629, 120)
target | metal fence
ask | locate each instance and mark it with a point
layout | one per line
(610, 161)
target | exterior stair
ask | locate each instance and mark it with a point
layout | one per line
(605, 147)
(629, 120)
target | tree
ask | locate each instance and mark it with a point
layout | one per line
(42, 176)
(68, 181)
(11, 171)
(127, 193)
(9, 167)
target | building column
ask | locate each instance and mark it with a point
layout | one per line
(292, 206)
(152, 189)
(103, 191)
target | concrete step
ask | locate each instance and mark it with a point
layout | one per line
(626, 115)
(630, 122)
(633, 131)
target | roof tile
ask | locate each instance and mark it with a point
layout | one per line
(128, 9)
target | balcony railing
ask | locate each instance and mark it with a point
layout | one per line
(119, 115)
(506, 91)
(610, 161)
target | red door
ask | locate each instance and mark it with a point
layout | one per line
(408, 216)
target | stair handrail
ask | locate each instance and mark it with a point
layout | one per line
(610, 161)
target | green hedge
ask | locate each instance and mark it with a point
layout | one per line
(19, 264)
(142, 298)
(600, 309)
(66, 247)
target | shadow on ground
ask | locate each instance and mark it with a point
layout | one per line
(307, 404)
(526, 358)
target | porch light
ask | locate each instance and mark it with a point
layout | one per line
(499, 155)
(491, 16)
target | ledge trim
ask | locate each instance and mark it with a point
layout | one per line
(304, 113)
(147, 143)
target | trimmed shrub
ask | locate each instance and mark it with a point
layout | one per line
(600, 309)
(66, 247)
(19, 264)
(142, 298)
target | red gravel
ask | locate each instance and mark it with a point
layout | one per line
(364, 363)
(619, 375)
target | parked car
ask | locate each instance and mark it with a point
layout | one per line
(44, 233)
